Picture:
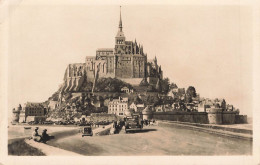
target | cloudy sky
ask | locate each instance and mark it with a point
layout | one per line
(206, 46)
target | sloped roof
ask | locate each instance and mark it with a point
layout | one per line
(120, 34)
(140, 105)
(105, 49)
(146, 109)
(34, 105)
(128, 42)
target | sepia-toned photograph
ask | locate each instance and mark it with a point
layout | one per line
(128, 79)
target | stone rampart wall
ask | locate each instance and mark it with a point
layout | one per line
(202, 117)
(215, 118)
(192, 117)
(228, 117)
(240, 119)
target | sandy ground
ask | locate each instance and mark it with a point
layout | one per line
(17, 136)
(18, 131)
(20, 148)
(49, 150)
(239, 126)
(155, 140)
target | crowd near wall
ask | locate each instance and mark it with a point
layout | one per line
(103, 117)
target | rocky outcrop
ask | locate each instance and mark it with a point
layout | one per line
(74, 77)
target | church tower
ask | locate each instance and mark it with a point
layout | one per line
(155, 63)
(120, 38)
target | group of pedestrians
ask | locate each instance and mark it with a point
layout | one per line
(93, 123)
(147, 122)
(40, 138)
(117, 125)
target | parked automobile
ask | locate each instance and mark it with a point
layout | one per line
(48, 122)
(87, 131)
(133, 124)
(31, 122)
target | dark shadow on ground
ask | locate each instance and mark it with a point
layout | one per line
(57, 135)
(142, 131)
(20, 148)
(118, 129)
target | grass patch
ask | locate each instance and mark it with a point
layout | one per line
(20, 148)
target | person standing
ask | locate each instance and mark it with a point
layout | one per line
(142, 123)
(114, 124)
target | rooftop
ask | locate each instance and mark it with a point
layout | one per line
(34, 105)
(105, 49)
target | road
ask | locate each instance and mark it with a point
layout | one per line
(155, 140)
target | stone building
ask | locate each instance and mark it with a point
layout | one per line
(16, 113)
(34, 109)
(118, 106)
(126, 61)
(137, 107)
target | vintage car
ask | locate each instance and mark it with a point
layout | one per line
(87, 131)
(133, 124)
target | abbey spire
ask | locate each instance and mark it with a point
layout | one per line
(120, 37)
(120, 22)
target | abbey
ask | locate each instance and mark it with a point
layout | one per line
(126, 61)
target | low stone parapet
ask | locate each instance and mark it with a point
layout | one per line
(103, 130)
(50, 150)
(192, 117)
(212, 116)
(241, 119)
(208, 128)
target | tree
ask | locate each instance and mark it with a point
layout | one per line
(173, 85)
(111, 85)
(188, 98)
(165, 85)
(138, 100)
(191, 91)
(150, 88)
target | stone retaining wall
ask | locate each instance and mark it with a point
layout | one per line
(241, 119)
(193, 117)
(102, 130)
(211, 117)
